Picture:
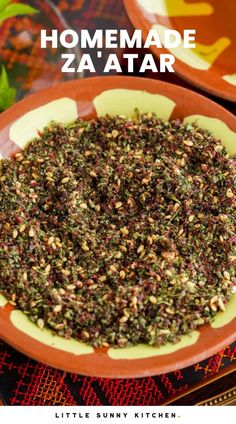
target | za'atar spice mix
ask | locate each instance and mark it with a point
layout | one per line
(117, 231)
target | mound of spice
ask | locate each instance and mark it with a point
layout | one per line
(117, 231)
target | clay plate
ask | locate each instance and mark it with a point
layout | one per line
(212, 64)
(87, 98)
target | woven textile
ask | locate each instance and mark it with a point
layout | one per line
(26, 382)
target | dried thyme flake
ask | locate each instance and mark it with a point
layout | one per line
(118, 231)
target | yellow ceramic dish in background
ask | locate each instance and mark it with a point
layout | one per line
(211, 65)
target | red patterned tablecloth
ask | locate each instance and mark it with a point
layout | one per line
(22, 380)
(26, 382)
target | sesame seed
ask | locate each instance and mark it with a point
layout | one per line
(191, 218)
(65, 180)
(124, 231)
(122, 275)
(40, 323)
(51, 240)
(153, 299)
(14, 233)
(140, 249)
(31, 232)
(188, 143)
(229, 193)
(83, 206)
(57, 308)
(22, 228)
(118, 205)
